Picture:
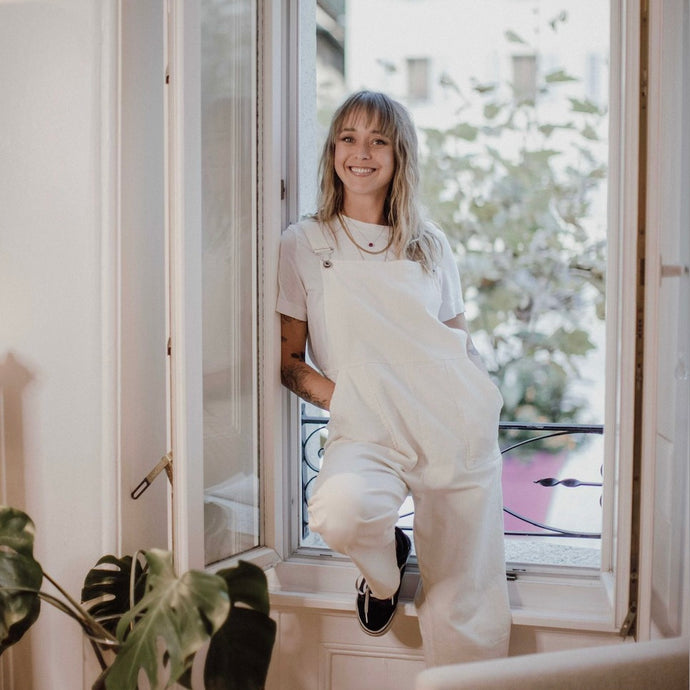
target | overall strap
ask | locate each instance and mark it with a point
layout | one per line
(320, 244)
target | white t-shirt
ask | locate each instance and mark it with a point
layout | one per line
(300, 287)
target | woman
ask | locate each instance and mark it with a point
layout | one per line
(376, 292)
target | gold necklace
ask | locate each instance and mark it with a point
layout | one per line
(359, 246)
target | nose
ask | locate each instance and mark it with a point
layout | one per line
(363, 151)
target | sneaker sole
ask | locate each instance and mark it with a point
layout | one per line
(387, 627)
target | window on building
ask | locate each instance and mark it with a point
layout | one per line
(418, 78)
(524, 77)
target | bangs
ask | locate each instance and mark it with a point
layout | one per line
(373, 110)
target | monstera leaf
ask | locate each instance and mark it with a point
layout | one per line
(167, 627)
(240, 652)
(20, 576)
(106, 589)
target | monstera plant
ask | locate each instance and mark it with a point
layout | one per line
(139, 615)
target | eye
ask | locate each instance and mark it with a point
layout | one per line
(347, 139)
(380, 142)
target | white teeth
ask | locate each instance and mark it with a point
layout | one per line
(361, 171)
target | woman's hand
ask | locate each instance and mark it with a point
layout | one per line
(295, 373)
(460, 323)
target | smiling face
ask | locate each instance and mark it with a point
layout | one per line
(364, 162)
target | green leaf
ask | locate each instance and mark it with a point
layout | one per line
(541, 155)
(448, 82)
(107, 589)
(18, 571)
(465, 131)
(598, 173)
(16, 531)
(561, 17)
(491, 110)
(559, 75)
(246, 584)
(240, 652)
(483, 88)
(513, 37)
(548, 129)
(586, 106)
(575, 342)
(388, 66)
(590, 133)
(176, 616)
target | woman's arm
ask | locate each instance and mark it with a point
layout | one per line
(460, 323)
(295, 373)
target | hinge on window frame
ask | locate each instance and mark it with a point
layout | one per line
(629, 622)
(512, 573)
(282, 190)
(165, 463)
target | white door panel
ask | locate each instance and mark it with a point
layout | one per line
(667, 320)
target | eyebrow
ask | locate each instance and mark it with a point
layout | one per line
(352, 129)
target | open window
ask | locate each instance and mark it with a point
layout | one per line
(529, 164)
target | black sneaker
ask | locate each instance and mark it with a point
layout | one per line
(376, 615)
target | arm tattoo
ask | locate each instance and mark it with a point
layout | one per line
(295, 377)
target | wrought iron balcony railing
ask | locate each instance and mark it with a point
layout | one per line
(313, 439)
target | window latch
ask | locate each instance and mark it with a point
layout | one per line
(165, 463)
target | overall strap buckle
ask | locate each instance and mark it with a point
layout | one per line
(319, 244)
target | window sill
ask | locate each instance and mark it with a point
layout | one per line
(556, 599)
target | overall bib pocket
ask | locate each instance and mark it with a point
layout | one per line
(355, 411)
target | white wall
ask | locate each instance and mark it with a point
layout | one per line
(81, 270)
(53, 382)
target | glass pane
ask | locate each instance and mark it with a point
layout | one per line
(231, 494)
(510, 98)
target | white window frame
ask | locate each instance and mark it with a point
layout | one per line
(550, 597)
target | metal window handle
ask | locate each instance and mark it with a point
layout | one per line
(165, 463)
(673, 270)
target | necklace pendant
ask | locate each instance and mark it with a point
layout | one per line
(371, 244)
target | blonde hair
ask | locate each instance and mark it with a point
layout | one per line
(412, 237)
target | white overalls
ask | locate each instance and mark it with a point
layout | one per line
(412, 414)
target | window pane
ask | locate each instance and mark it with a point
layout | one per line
(418, 79)
(510, 102)
(231, 498)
